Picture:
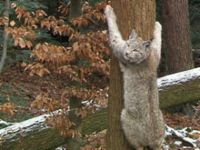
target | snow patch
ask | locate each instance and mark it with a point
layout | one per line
(178, 78)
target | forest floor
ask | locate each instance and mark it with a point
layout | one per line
(18, 87)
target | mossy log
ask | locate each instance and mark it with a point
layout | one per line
(31, 134)
(34, 134)
(179, 88)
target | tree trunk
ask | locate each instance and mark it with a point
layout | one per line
(177, 35)
(140, 15)
(51, 5)
(75, 9)
(5, 35)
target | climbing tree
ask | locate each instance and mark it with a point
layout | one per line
(140, 15)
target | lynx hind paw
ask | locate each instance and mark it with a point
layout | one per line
(109, 12)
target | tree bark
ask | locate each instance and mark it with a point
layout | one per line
(177, 35)
(140, 15)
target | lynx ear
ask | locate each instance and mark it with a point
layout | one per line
(132, 38)
(133, 35)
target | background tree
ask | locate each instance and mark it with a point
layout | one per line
(140, 15)
(177, 35)
(75, 9)
(5, 35)
(194, 10)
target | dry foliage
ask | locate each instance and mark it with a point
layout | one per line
(52, 53)
(45, 103)
(63, 124)
(95, 141)
(91, 15)
(64, 9)
(30, 19)
(8, 108)
(36, 69)
(83, 59)
(23, 37)
(3, 21)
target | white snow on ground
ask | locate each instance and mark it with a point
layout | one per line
(184, 135)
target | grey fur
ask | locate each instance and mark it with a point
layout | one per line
(141, 118)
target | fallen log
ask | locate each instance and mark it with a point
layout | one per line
(179, 88)
(34, 134)
(31, 134)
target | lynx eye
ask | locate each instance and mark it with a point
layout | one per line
(146, 43)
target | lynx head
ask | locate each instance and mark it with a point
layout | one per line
(136, 48)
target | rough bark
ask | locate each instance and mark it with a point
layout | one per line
(140, 15)
(177, 35)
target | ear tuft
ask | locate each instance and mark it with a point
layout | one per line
(133, 35)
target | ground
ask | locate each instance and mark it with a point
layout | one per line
(18, 87)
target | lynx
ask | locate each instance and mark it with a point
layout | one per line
(141, 118)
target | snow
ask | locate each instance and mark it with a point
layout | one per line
(60, 148)
(178, 143)
(30, 125)
(36, 123)
(178, 78)
(183, 134)
(2, 122)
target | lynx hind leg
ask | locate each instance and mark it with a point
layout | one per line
(139, 148)
(156, 147)
(129, 131)
(157, 144)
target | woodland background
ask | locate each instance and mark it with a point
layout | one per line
(58, 57)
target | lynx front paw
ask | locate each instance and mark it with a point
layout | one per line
(158, 26)
(109, 12)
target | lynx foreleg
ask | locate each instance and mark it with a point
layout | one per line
(115, 38)
(134, 50)
(156, 42)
